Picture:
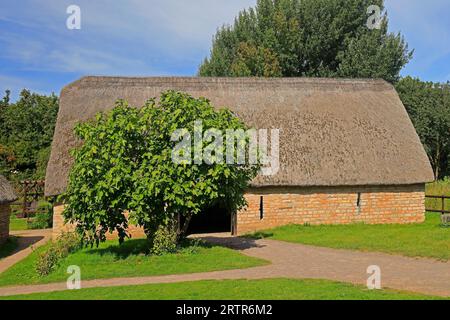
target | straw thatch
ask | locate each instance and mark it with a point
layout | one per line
(334, 132)
(7, 193)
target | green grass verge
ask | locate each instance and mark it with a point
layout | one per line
(113, 261)
(8, 247)
(17, 224)
(428, 239)
(273, 289)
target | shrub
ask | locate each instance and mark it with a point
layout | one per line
(164, 239)
(49, 259)
(44, 216)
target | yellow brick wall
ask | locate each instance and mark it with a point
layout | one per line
(58, 222)
(59, 226)
(4, 222)
(334, 205)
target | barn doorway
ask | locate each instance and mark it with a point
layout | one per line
(213, 220)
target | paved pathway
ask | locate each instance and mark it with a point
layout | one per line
(28, 240)
(291, 260)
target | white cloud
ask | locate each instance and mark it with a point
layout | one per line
(92, 61)
(132, 37)
(17, 84)
(12, 82)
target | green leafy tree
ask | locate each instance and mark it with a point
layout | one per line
(428, 105)
(6, 154)
(6, 160)
(125, 164)
(322, 38)
(26, 133)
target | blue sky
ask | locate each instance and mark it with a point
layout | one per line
(164, 37)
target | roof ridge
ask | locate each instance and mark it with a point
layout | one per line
(186, 80)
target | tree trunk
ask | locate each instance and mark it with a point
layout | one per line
(182, 231)
(437, 161)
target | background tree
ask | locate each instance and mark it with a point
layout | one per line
(125, 165)
(26, 133)
(428, 105)
(322, 38)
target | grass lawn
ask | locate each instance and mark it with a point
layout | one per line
(429, 239)
(113, 261)
(272, 289)
(8, 247)
(17, 224)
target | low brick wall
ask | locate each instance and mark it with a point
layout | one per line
(331, 205)
(5, 212)
(59, 226)
(334, 205)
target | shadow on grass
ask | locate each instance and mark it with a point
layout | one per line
(141, 247)
(15, 244)
(258, 235)
(124, 250)
(9, 247)
(237, 243)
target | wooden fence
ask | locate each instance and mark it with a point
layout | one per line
(445, 213)
(442, 198)
(29, 192)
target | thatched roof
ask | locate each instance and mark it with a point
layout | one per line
(7, 193)
(334, 132)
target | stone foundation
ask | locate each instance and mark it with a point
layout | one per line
(5, 212)
(333, 205)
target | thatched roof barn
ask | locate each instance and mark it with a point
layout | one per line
(333, 132)
(7, 195)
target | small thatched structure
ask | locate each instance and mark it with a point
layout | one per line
(344, 139)
(7, 195)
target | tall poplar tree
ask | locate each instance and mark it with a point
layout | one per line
(317, 38)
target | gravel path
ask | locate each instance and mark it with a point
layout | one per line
(28, 240)
(291, 260)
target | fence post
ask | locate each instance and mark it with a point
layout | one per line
(443, 205)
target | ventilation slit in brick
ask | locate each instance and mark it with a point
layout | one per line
(261, 208)
(358, 203)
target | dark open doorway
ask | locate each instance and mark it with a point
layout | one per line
(215, 219)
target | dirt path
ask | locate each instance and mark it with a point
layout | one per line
(297, 261)
(28, 240)
(293, 260)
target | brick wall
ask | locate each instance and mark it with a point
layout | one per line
(59, 226)
(4, 222)
(332, 205)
